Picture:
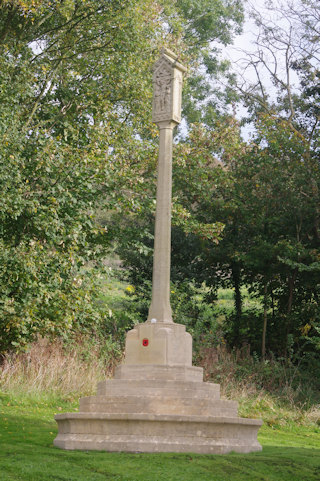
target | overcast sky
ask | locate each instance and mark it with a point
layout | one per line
(245, 43)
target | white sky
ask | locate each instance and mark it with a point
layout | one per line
(245, 43)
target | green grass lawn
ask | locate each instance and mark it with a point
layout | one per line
(27, 430)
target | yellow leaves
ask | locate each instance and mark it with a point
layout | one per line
(30, 6)
(180, 211)
(189, 224)
(67, 8)
(130, 289)
(305, 329)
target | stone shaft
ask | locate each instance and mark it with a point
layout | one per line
(160, 308)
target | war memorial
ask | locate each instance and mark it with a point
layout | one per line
(157, 400)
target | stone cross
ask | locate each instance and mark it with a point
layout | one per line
(157, 401)
(166, 113)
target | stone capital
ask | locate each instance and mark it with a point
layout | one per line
(166, 124)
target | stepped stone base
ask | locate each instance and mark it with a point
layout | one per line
(157, 415)
(163, 407)
(157, 433)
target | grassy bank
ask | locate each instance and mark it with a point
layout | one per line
(50, 378)
(27, 431)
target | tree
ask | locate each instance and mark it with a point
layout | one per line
(263, 192)
(286, 89)
(76, 136)
(70, 93)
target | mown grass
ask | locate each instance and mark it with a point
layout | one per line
(27, 431)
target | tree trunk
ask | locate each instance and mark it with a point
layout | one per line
(237, 298)
(291, 284)
(264, 331)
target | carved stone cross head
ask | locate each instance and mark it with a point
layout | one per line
(167, 88)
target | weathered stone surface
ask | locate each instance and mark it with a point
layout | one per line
(167, 81)
(160, 308)
(158, 405)
(157, 414)
(166, 387)
(159, 343)
(162, 372)
(157, 433)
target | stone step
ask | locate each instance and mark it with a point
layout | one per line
(159, 388)
(159, 372)
(154, 444)
(158, 405)
(157, 433)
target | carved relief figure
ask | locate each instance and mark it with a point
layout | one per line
(162, 92)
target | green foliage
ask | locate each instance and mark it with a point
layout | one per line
(64, 97)
(76, 139)
(266, 195)
(280, 392)
(76, 135)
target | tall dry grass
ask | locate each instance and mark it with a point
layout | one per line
(271, 390)
(264, 390)
(47, 367)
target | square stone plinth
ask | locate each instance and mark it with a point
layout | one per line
(159, 343)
